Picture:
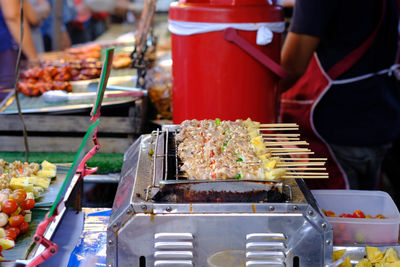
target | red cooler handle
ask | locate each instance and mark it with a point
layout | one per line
(231, 35)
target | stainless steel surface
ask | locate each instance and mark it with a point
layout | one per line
(151, 233)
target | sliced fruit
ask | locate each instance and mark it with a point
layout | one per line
(374, 254)
(9, 206)
(28, 216)
(6, 243)
(24, 227)
(47, 173)
(21, 183)
(2, 233)
(364, 263)
(47, 165)
(37, 191)
(28, 204)
(338, 254)
(30, 195)
(390, 256)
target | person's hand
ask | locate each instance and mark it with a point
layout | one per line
(33, 62)
(65, 40)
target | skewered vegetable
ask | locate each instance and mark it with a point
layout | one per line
(215, 149)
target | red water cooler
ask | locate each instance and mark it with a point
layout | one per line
(219, 70)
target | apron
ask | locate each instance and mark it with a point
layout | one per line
(299, 102)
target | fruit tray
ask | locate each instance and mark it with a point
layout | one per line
(24, 243)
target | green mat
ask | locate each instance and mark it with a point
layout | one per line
(106, 162)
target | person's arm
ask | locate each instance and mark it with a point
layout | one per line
(30, 13)
(11, 14)
(295, 56)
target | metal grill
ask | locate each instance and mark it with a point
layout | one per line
(182, 232)
(172, 186)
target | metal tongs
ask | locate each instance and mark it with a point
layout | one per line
(74, 176)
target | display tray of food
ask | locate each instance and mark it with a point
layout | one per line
(80, 99)
(27, 191)
(360, 216)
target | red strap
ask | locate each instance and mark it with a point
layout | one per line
(349, 60)
(231, 35)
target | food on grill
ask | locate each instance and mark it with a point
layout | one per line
(86, 51)
(215, 149)
(15, 169)
(122, 60)
(56, 75)
(31, 177)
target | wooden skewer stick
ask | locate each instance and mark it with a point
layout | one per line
(288, 149)
(282, 138)
(307, 173)
(279, 125)
(283, 135)
(290, 153)
(305, 177)
(305, 159)
(285, 143)
(278, 129)
(288, 164)
(304, 169)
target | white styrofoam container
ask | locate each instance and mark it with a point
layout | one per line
(360, 231)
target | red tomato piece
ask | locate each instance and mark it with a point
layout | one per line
(16, 220)
(380, 216)
(19, 197)
(28, 204)
(358, 214)
(24, 227)
(20, 191)
(330, 214)
(346, 215)
(10, 234)
(9, 206)
(15, 229)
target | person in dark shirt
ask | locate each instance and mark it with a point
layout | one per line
(341, 88)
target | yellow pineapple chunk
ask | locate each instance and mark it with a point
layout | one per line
(270, 165)
(374, 254)
(43, 182)
(346, 263)
(47, 165)
(47, 173)
(364, 263)
(38, 181)
(338, 254)
(274, 174)
(390, 256)
(253, 133)
(30, 195)
(6, 243)
(21, 183)
(2, 232)
(28, 216)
